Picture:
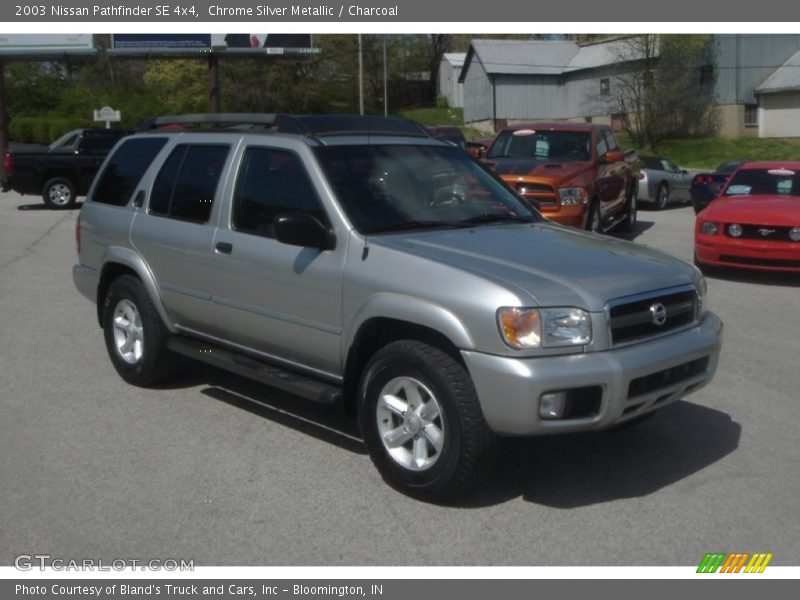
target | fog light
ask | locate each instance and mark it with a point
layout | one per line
(735, 230)
(551, 405)
(794, 234)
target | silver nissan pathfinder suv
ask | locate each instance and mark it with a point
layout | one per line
(356, 260)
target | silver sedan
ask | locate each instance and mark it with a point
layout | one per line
(662, 182)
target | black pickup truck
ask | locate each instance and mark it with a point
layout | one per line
(63, 170)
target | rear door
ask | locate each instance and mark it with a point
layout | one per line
(174, 233)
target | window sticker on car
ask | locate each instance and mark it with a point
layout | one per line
(781, 172)
(785, 186)
(521, 132)
(542, 148)
(738, 190)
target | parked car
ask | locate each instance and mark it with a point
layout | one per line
(477, 147)
(755, 221)
(662, 182)
(64, 170)
(706, 186)
(577, 173)
(395, 275)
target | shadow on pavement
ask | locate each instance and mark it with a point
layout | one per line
(43, 206)
(641, 227)
(774, 278)
(584, 469)
(327, 423)
(565, 471)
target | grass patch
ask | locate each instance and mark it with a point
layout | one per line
(436, 116)
(710, 152)
(444, 116)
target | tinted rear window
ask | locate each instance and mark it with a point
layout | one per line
(187, 183)
(123, 171)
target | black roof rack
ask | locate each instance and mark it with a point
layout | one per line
(313, 125)
(321, 125)
(256, 120)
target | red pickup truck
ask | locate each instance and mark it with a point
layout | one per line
(576, 172)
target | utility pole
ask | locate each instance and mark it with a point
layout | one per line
(213, 82)
(360, 77)
(3, 109)
(385, 78)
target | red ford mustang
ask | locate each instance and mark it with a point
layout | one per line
(755, 221)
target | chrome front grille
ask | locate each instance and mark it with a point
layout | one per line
(643, 316)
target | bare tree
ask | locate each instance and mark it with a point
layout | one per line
(664, 87)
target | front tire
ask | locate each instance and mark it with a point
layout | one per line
(628, 225)
(422, 423)
(594, 223)
(59, 193)
(135, 336)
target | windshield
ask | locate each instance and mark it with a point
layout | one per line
(385, 188)
(764, 182)
(543, 145)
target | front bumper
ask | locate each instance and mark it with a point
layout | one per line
(509, 389)
(723, 251)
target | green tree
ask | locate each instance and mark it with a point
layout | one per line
(659, 89)
(179, 86)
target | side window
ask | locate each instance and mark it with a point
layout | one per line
(611, 140)
(99, 142)
(601, 146)
(187, 182)
(272, 182)
(670, 167)
(125, 168)
(67, 145)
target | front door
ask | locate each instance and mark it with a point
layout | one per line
(281, 300)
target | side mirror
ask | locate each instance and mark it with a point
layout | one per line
(301, 229)
(684, 172)
(612, 156)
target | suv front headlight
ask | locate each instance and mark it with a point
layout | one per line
(544, 327)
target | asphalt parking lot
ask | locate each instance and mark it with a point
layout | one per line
(220, 470)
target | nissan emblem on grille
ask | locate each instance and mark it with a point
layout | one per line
(765, 232)
(658, 314)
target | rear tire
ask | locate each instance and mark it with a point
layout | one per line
(136, 339)
(662, 199)
(422, 423)
(59, 193)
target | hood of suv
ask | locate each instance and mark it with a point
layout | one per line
(557, 266)
(547, 170)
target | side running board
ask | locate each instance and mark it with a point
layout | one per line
(268, 374)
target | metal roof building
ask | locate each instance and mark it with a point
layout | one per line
(511, 81)
(779, 101)
(449, 85)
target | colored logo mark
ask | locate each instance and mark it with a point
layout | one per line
(735, 562)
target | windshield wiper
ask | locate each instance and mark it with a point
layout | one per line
(491, 218)
(412, 225)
